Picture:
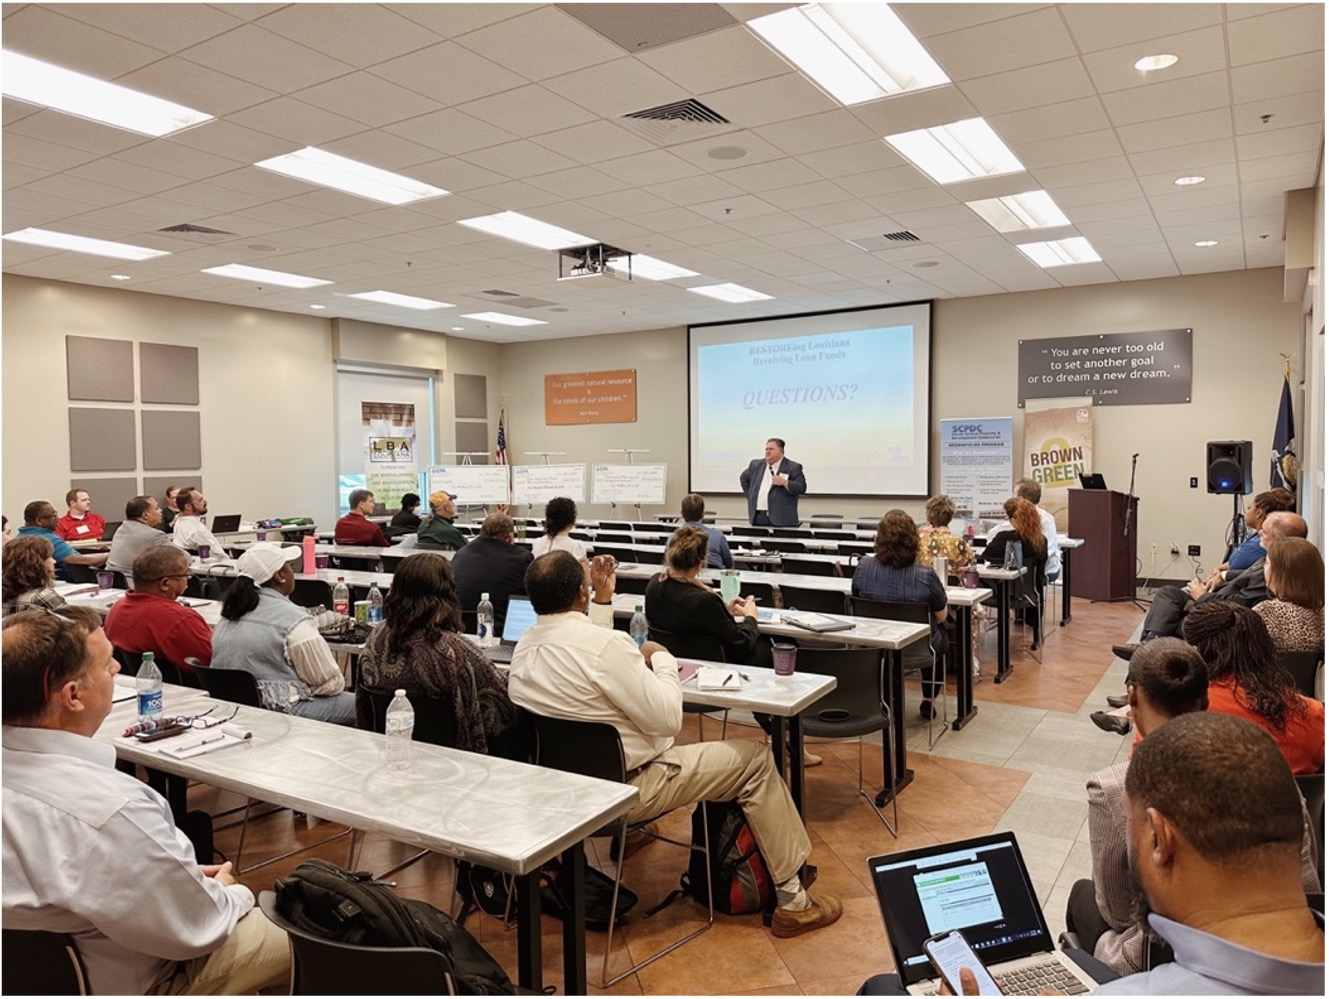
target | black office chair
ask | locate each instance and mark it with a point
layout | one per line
(858, 548)
(646, 557)
(857, 706)
(80, 573)
(40, 963)
(704, 647)
(817, 601)
(312, 593)
(792, 532)
(916, 656)
(119, 580)
(785, 545)
(171, 673)
(611, 538)
(329, 967)
(623, 553)
(631, 584)
(1304, 667)
(749, 531)
(807, 566)
(826, 520)
(594, 749)
(615, 525)
(1311, 787)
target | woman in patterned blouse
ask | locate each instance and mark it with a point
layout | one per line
(29, 571)
(936, 540)
(1294, 614)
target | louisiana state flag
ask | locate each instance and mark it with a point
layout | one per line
(1283, 464)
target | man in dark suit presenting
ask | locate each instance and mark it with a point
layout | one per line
(773, 485)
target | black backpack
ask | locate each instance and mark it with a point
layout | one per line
(740, 879)
(351, 907)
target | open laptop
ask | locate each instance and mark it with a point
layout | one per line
(108, 532)
(981, 887)
(225, 523)
(521, 615)
(1094, 480)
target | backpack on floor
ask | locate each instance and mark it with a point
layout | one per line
(351, 907)
(740, 879)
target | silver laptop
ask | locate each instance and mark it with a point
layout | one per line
(981, 887)
(521, 615)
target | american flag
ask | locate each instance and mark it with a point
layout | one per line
(501, 444)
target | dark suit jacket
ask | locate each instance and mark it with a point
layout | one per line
(490, 565)
(782, 501)
(1247, 587)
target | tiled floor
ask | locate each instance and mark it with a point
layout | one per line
(1020, 765)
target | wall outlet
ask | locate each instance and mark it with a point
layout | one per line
(1193, 551)
(1176, 549)
(1195, 482)
(1153, 549)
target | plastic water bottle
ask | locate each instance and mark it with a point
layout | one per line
(375, 604)
(400, 724)
(149, 686)
(484, 622)
(638, 628)
(341, 597)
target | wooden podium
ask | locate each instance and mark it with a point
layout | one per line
(1105, 566)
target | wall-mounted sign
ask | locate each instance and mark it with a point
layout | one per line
(591, 397)
(1113, 369)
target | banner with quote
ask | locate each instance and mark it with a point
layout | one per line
(1111, 369)
(591, 397)
(976, 460)
(1058, 449)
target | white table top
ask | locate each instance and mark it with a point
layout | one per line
(762, 690)
(490, 811)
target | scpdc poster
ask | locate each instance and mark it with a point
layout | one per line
(976, 460)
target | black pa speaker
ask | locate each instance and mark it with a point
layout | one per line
(1229, 467)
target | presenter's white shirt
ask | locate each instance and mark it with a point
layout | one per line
(763, 494)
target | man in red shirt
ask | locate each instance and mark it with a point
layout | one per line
(80, 523)
(356, 528)
(151, 620)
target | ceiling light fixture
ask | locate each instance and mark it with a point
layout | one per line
(1206, 242)
(650, 268)
(318, 306)
(1188, 181)
(41, 83)
(120, 277)
(405, 301)
(243, 272)
(734, 293)
(962, 150)
(1060, 252)
(1017, 212)
(83, 244)
(855, 52)
(524, 229)
(317, 166)
(503, 319)
(1150, 63)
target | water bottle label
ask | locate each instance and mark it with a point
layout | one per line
(375, 615)
(482, 630)
(149, 703)
(639, 639)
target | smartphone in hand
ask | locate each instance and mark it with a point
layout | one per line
(949, 952)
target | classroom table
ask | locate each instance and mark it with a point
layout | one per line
(1067, 546)
(511, 816)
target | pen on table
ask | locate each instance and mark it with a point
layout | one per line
(727, 678)
(202, 742)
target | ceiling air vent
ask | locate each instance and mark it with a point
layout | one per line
(199, 230)
(885, 241)
(679, 121)
(691, 110)
(499, 293)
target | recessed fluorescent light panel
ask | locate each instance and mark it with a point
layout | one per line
(856, 52)
(37, 82)
(1206, 243)
(340, 173)
(120, 277)
(1018, 212)
(1150, 63)
(650, 268)
(405, 301)
(1060, 252)
(83, 244)
(524, 229)
(503, 319)
(730, 293)
(244, 273)
(962, 150)
(1189, 181)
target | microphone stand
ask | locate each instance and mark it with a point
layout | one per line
(1126, 532)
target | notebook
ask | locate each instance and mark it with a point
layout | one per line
(521, 615)
(982, 887)
(225, 523)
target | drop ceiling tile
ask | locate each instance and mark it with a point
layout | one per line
(671, 220)
(702, 235)
(1069, 149)
(918, 109)
(295, 123)
(725, 58)
(357, 34)
(1021, 89)
(366, 98)
(594, 142)
(1135, 269)
(195, 86)
(766, 225)
(888, 181)
(518, 160)
(448, 74)
(1198, 52)
(1256, 195)
(1078, 174)
(777, 98)
(454, 20)
(616, 88)
(1185, 160)
(1220, 188)
(692, 190)
(76, 133)
(838, 211)
(252, 53)
(16, 109)
(1200, 214)
(655, 167)
(816, 132)
(770, 175)
(1168, 99)
(1278, 141)
(79, 192)
(1286, 112)
(928, 197)
(41, 154)
(1051, 121)
(1277, 35)
(820, 192)
(1093, 194)
(929, 217)
(387, 152)
(844, 161)
(46, 33)
(450, 131)
(234, 141)
(543, 43)
(1278, 77)
(579, 182)
(531, 110)
(1166, 132)
(1298, 168)
(16, 174)
(512, 196)
(998, 46)
(732, 210)
(698, 152)
(213, 198)
(1100, 26)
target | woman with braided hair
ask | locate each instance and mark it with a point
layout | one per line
(1247, 681)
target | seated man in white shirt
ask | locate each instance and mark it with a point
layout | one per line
(94, 853)
(569, 665)
(189, 530)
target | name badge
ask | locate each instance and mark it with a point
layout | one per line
(81, 529)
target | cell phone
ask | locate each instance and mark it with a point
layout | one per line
(949, 952)
(162, 733)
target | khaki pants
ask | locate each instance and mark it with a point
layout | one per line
(719, 771)
(255, 956)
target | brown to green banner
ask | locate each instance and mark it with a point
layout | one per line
(1058, 449)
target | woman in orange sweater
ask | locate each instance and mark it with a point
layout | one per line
(1247, 681)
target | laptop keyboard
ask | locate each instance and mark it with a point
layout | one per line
(1035, 979)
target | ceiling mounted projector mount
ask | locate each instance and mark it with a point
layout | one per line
(595, 260)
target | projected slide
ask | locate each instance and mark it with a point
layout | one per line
(958, 897)
(848, 392)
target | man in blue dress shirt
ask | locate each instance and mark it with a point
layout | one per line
(693, 509)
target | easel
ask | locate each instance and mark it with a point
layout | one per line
(544, 460)
(629, 451)
(466, 457)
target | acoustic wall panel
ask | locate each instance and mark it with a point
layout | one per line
(169, 373)
(155, 485)
(470, 396)
(171, 439)
(109, 495)
(474, 437)
(101, 440)
(99, 370)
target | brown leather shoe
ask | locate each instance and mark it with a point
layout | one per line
(1117, 724)
(1116, 701)
(1125, 651)
(824, 910)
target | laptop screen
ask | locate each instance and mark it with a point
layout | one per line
(225, 523)
(521, 615)
(980, 886)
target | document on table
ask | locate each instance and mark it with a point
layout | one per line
(718, 678)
